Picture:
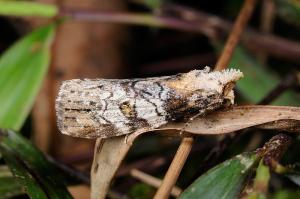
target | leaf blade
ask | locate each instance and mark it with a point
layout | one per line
(22, 175)
(25, 8)
(22, 69)
(223, 181)
(9, 187)
(28, 161)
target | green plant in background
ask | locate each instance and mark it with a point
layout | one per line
(289, 10)
(22, 70)
(227, 179)
(27, 8)
(259, 79)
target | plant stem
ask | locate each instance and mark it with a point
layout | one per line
(192, 21)
(235, 34)
(187, 143)
(266, 23)
(134, 19)
(175, 168)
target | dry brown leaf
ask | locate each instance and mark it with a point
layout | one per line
(108, 156)
(109, 153)
(240, 117)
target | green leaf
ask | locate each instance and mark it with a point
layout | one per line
(286, 194)
(31, 168)
(26, 8)
(153, 4)
(261, 182)
(289, 10)
(22, 175)
(8, 185)
(224, 181)
(258, 80)
(141, 191)
(10, 188)
(22, 69)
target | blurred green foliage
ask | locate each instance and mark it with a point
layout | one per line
(259, 80)
(141, 191)
(27, 8)
(289, 10)
(31, 169)
(286, 194)
(9, 187)
(261, 182)
(23, 67)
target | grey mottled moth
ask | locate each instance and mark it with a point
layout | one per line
(100, 108)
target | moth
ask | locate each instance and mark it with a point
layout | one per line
(102, 108)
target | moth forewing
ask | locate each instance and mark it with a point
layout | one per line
(100, 108)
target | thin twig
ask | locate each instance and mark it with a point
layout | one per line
(235, 34)
(134, 19)
(175, 168)
(193, 21)
(187, 143)
(150, 180)
(266, 22)
(268, 44)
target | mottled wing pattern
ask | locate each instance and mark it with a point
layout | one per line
(105, 108)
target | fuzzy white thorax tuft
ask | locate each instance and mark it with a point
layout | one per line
(207, 81)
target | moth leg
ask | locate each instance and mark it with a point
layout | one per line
(126, 139)
(201, 112)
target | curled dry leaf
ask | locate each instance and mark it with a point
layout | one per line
(109, 153)
(108, 156)
(241, 117)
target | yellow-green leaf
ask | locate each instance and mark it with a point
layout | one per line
(26, 8)
(22, 69)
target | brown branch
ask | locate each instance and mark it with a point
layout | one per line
(193, 21)
(267, 16)
(266, 22)
(134, 19)
(235, 34)
(265, 43)
(174, 169)
(187, 143)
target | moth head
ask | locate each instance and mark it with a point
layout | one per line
(209, 83)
